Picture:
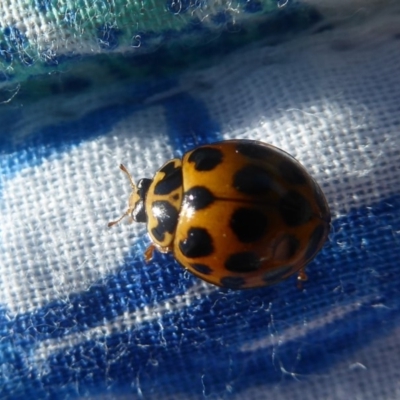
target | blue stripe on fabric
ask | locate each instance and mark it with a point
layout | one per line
(186, 128)
(201, 349)
(189, 123)
(191, 128)
(42, 6)
(135, 286)
(60, 137)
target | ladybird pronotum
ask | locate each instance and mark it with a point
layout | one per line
(238, 213)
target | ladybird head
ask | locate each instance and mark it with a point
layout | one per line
(136, 208)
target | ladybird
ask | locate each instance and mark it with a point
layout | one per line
(238, 213)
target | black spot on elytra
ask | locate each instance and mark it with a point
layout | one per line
(295, 209)
(292, 173)
(202, 268)
(315, 243)
(206, 158)
(171, 181)
(255, 150)
(243, 262)
(277, 274)
(232, 282)
(197, 244)
(167, 218)
(248, 224)
(253, 180)
(198, 197)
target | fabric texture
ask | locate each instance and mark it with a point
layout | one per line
(37, 35)
(81, 313)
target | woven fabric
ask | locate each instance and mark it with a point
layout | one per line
(38, 35)
(82, 314)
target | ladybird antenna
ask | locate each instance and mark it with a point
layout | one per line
(112, 223)
(130, 208)
(124, 170)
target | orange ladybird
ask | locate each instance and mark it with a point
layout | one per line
(238, 213)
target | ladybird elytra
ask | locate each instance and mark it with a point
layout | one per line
(237, 213)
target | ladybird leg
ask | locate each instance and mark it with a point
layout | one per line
(301, 277)
(148, 253)
(166, 249)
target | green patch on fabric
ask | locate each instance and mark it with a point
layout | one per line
(70, 49)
